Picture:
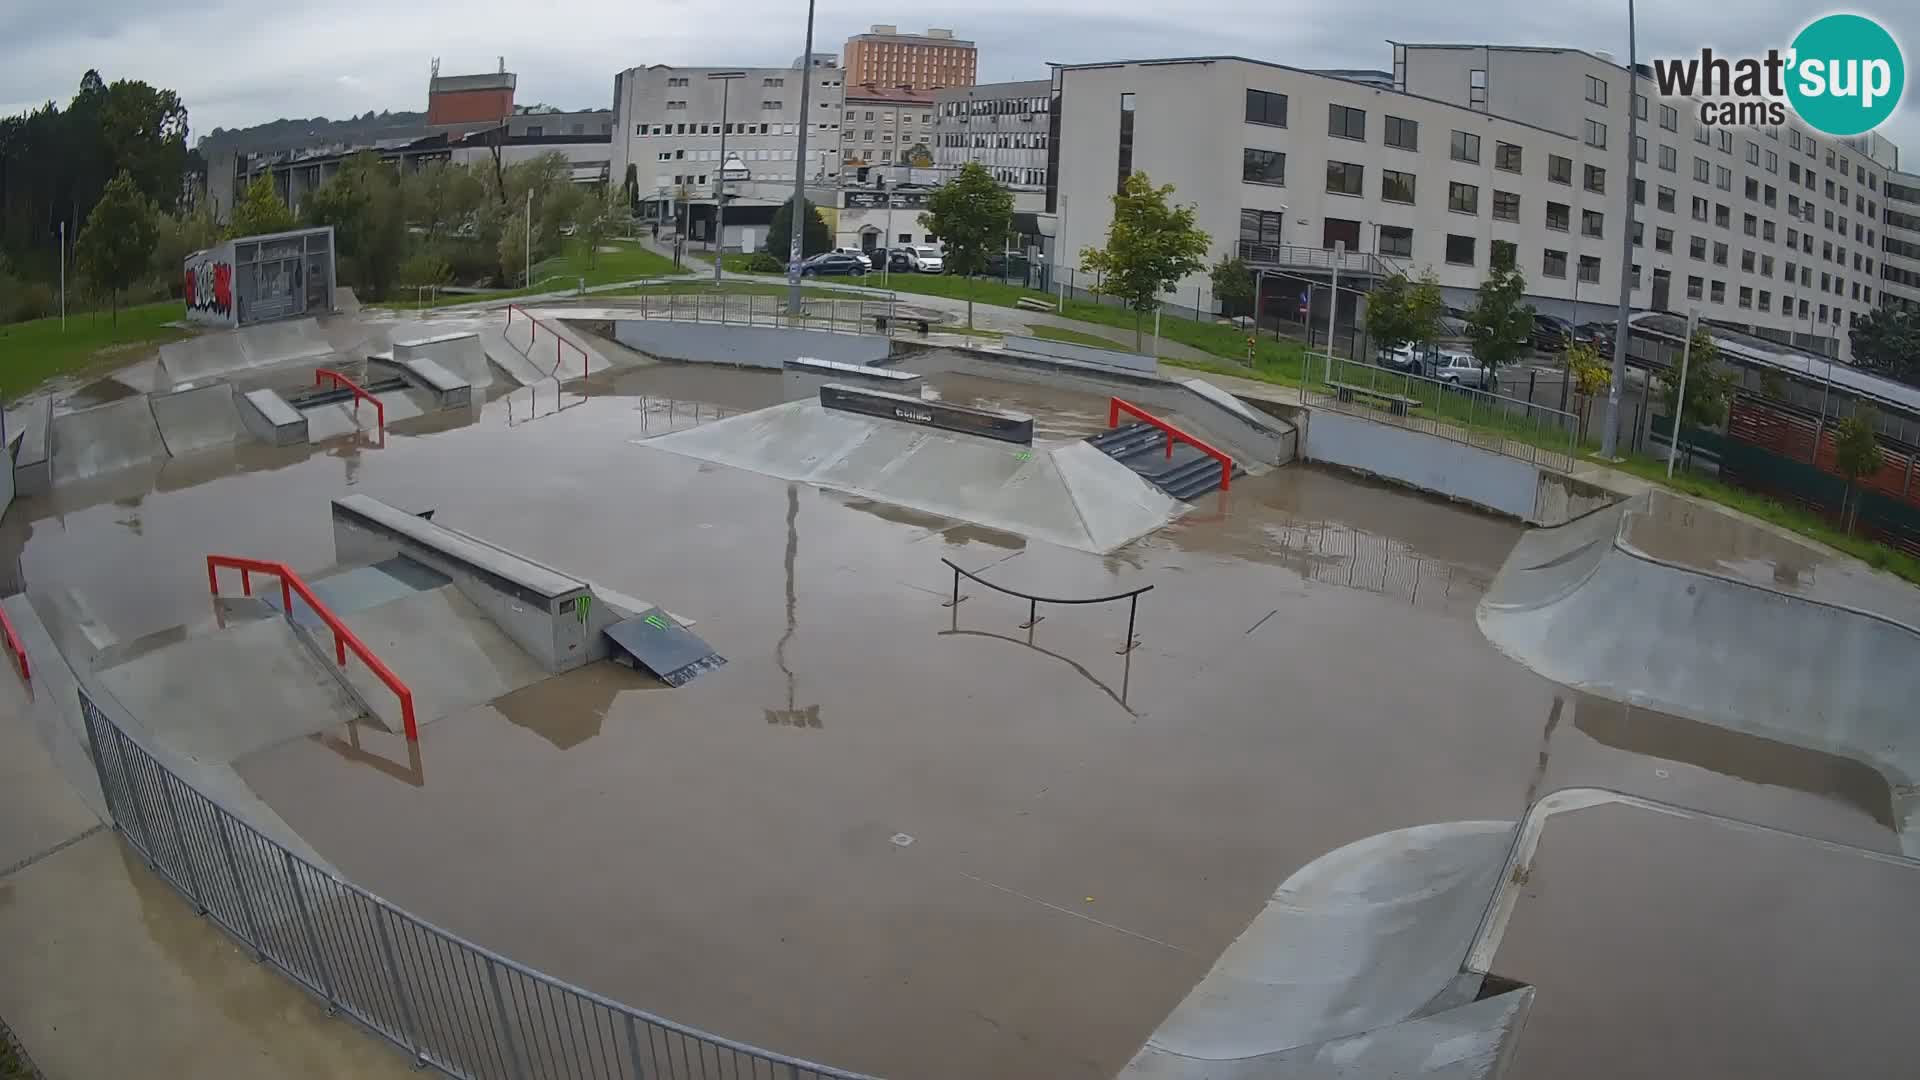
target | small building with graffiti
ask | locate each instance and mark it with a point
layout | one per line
(254, 279)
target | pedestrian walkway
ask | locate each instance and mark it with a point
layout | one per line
(109, 972)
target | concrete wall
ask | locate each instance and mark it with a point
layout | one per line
(210, 286)
(746, 346)
(1486, 479)
(1086, 354)
(804, 377)
(32, 461)
(6, 478)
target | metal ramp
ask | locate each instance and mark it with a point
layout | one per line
(1186, 475)
(655, 641)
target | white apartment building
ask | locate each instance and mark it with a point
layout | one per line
(1003, 126)
(1900, 244)
(668, 126)
(1484, 146)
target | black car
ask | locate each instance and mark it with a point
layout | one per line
(894, 259)
(832, 263)
(1552, 333)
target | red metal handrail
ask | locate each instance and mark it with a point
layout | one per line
(321, 375)
(343, 638)
(533, 334)
(1115, 407)
(18, 650)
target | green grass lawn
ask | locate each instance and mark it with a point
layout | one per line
(705, 287)
(1075, 337)
(982, 290)
(561, 273)
(33, 352)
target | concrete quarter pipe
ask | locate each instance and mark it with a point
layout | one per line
(1587, 605)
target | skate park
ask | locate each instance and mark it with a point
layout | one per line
(1370, 782)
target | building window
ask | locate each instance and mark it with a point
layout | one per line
(1639, 148)
(1752, 189)
(1725, 139)
(1596, 179)
(1506, 157)
(1702, 170)
(1558, 215)
(1697, 248)
(1402, 133)
(1747, 260)
(1663, 240)
(1640, 106)
(1766, 300)
(1669, 118)
(1722, 215)
(1477, 90)
(1346, 123)
(1263, 167)
(1266, 108)
(1592, 223)
(1396, 186)
(1718, 294)
(1466, 147)
(1669, 158)
(1746, 296)
(1504, 252)
(1639, 234)
(1261, 226)
(1719, 253)
(1596, 90)
(1596, 134)
(1750, 225)
(1696, 287)
(1459, 249)
(1126, 141)
(1506, 206)
(1663, 199)
(1559, 169)
(1766, 231)
(1396, 240)
(1723, 178)
(1345, 178)
(1553, 263)
(1463, 198)
(1753, 153)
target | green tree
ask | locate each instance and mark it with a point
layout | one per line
(1887, 340)
(1708, 389)
(1232, 284)
(630, 189)
(512, 248)
(1500, 323)
(1151, 244)
(971, 214)
(1590, 372)
(116, 244)
(178, 236)
(814, 235)
(598, 217)
(424, 268)
(259, 210)
(364, 204)
(1404, 311)
(1856, 454)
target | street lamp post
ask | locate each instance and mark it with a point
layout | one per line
(800, 172)
(1610, 433)
(720, 177)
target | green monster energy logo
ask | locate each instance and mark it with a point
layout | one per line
(656, 621)
(581, 608)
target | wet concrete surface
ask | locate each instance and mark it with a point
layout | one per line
(1771, 956)
(892, 835)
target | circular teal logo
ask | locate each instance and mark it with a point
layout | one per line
(1846, 74)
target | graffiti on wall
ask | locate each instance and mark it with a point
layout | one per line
(209, 287)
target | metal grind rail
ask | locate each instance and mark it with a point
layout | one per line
(534, 327)
(18, 650)
(343, 638)
(321, 376)
(1131, 596)
(452, 1005)
(1116, 406)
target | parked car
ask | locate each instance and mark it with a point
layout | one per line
(900, 260)
(925, 258)
(1413, 359)
(1597, 334)
(854, 252)
(1551, 333)
(833, 263)
(1457, 368)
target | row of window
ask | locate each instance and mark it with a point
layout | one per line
(714, 155)
(644, 130)
(995, 107)
(887, 117)
(1019, 140)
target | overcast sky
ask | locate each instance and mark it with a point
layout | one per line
(238, 63)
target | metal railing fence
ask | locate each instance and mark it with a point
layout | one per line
(1515, 427)
(876, 315)
(449, 1003)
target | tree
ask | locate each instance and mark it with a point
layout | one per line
(116, 244)
(1590, 372)
(1500, 324)
(1401, 311)
(1232, 284)
(630, 189)
(599, 217)
(512, 248)
(1887, 340)
(259, 210)
(178, 236)
(970, 214)
(1151, 245)
(364, 204)
(1856, 454)
(424, 268)
(1708, 388)
(814, 235)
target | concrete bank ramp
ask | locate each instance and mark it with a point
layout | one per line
(1349, 949)
(202, 418)
(510, 359)
(1587, 606)
(538, 348)
(104, 439)
(221, 352)
(1063, 493)
(450, 654)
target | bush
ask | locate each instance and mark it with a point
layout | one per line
(764, 263)
(470, 263)
(30, 301)
(425, 268)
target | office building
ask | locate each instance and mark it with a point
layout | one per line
(887, 57)
(1900, 245)
(1002, 126)
(886, 126)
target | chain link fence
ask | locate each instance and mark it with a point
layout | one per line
(1512, 426)
(449, 1003)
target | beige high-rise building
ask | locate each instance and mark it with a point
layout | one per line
(886, 57)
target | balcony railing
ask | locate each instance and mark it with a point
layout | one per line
(1296, 256)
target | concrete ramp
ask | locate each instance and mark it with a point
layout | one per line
(1062, 493)
(510, 359)
(448, 652)
(202, 418)
(1586, 606)
(104, 439)
(564, 361)
(222, 352)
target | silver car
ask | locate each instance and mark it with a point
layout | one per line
(1460, 369)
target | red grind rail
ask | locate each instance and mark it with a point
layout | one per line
(1115, 407)
(343, 638)
(18, 650)
(321, 375)
(533, 335)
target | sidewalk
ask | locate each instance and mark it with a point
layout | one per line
(110, 973)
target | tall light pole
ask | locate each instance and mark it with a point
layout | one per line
(800, 172)
(1610, 431)
(720, 177)
(529, 251)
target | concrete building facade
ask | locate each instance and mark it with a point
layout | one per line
(886, 126)
(1003, 126)
(887, 57)
(464, 101)
(1772, 230)
(1900, 245)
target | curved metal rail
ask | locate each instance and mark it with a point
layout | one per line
(1131, 596)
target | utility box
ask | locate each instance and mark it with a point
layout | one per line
(255, 279)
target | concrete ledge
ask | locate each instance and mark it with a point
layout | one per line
(746, 346)
(1115, 357)
(33, 462)
(268, 417)
(431, 362)
(989, 423)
